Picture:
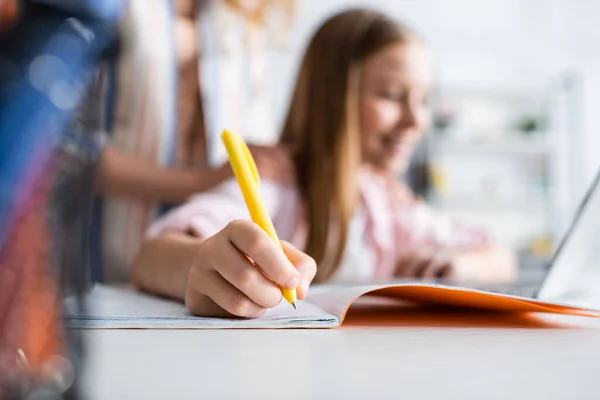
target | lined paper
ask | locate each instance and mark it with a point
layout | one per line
(326, 306)
(113, 307)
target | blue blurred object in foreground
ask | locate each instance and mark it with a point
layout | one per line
(47, 62)
(105, 11)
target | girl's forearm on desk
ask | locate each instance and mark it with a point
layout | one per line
(162, 265)
(487, 264)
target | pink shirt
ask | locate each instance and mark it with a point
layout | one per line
(391, 221)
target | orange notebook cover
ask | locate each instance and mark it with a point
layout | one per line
(326, 307)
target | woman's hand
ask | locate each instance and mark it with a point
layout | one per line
(274, 163)
(238, 272)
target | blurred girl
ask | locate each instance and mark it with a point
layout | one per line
(359, 108)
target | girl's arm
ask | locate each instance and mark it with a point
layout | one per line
(216, 277)
(163, 263)
(440, 247)
(212, 276)
(482, 263)
(485, 264)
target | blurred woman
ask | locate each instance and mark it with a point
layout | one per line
(185, 72)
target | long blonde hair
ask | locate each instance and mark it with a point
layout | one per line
(321, 130)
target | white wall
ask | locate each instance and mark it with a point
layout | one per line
(487, 42)
(584, 53)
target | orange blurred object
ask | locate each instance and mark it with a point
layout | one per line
(30, 324)
(9, 10)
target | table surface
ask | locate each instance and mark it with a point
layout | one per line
(410, 354)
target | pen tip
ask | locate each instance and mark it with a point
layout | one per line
(294, 305)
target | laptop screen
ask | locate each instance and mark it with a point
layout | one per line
(575, 271)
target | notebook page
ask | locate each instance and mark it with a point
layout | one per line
(114, 307)
(337, 299)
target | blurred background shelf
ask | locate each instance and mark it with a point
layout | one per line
(533, 205)
(514, 146)
(498, 156)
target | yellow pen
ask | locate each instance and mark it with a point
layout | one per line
(246, 173)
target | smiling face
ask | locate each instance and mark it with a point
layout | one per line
(394, 106)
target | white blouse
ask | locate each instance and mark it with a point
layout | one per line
(358, 261)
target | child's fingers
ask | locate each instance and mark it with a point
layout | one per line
(439, 265)
(429, 265)
(251, 240)
(305, 265)
(226, 296)
(435, 267)
(241, 273)
(447, 272)
(411, 265)
(202, 305)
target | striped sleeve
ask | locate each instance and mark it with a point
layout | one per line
(207, 213)
(420, 224)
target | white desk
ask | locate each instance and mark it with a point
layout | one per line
(423, 361)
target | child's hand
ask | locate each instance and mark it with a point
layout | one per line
(481, 265)
(224, 282)
(426, 263)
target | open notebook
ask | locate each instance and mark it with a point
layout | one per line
(326, 307)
